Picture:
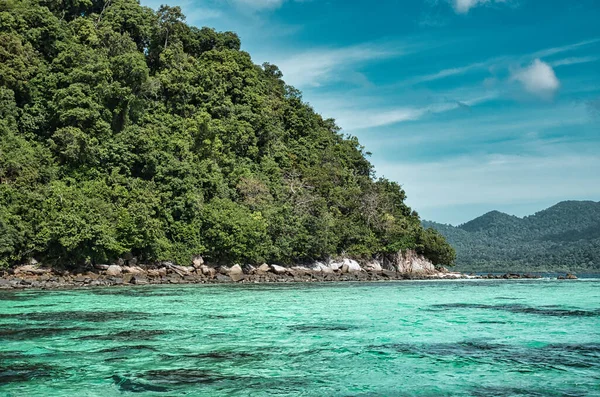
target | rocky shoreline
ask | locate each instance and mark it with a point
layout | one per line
(410, 267)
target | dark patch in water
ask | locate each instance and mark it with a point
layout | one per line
(141, 334)
(517, 358)
(215, 355)
(555, 311)
(499, 391)
(24, 372)
(320, 327)
(128, 349)
(92, 317)
(31, 333)
(129, 385)
(181, 377)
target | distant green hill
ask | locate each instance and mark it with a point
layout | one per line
(564, 237)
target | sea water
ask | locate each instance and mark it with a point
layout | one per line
(438, 338)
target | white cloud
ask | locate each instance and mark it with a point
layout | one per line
(573, 61)
(495, 180)
(463, 6)
(538, 79)
(313, 68)
(260, 4)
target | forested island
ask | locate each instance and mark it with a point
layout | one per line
(126, 133)
(562, 238)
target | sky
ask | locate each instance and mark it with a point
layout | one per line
(471, 105)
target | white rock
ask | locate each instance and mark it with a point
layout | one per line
(335, 265)
(320, 267)
(350, 266)
(374, 266)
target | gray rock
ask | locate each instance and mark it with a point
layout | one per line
(278, 269)
(101, 267)
(138, 279)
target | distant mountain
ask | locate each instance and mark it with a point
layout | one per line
(564, 237)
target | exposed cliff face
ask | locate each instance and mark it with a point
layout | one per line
(409, 262)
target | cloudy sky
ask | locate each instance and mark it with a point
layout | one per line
(471, 105)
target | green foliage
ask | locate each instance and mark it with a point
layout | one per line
(564, 237)
(126, 130)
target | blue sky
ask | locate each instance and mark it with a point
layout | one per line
(471, 105)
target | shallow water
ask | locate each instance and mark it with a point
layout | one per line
(439, 338)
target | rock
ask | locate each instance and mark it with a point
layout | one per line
(320, 267)
(263, 268)
(31, 269)
(120, 262)
(301, 270)
(235, 269)
(236, 276)
(133, 261)
(248, 269)
(222, 278)
(350, 266)
(162, 271)
(154, 272)
(412, 263)
(223, 270)
(197, 261)
(278, 269)
(139, 279)
(101, 267)
(114, 270)
(335, 266)
(133, 270)
(571, 277)
(182, 270)
(374, 266)
(208, 271)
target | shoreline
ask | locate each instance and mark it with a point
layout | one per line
(30, 277)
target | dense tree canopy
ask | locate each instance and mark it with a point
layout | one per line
(126, 130)
(564, 237)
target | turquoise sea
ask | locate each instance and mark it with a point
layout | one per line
(440, 338)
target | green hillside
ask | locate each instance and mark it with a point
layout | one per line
(126, 131)
(563, 237)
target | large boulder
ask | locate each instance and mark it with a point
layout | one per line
(335, 266)
(263, 268)
(236, 269)
(114, 270)
(350, 266)
(278, 269)
(197, 261)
